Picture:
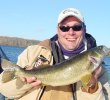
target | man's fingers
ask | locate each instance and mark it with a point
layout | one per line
(36, 84)
(97, 72)
(93, 81)
(23, 79)
(30, 79)
(95, 76)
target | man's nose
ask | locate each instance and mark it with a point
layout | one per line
(71, 31)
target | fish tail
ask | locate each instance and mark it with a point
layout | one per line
(7, 76)
(108, 77)
(9, 70)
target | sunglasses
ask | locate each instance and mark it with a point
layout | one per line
(74, 28)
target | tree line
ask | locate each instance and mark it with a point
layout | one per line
(15, 41)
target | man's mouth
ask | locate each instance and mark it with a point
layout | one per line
(71, 39)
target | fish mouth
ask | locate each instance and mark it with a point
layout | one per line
(95, 61)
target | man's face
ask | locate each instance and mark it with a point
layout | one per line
(70, 38)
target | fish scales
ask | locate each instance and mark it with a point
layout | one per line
(67, 72)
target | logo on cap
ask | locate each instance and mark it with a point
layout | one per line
(69, 10)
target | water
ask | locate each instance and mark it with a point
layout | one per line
(12, 52)
(107, 64)
(107, 67)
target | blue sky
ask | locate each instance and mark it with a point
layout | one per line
(37, 19)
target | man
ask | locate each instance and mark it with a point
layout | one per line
(71, 39)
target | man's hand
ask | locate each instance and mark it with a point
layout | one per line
(33, 81)
(95, 74)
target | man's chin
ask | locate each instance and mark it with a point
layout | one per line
(71, 48)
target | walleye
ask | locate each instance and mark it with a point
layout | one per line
(78, 68)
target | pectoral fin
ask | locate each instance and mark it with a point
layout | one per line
(7, 76)
(85, 80)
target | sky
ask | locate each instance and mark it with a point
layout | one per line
(37, 19)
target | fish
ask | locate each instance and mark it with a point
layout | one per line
(72, 70)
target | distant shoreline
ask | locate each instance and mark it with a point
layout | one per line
(15, 41)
